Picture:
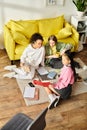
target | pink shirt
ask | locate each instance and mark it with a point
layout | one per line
(66, 77)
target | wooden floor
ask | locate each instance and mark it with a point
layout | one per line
(69, 115)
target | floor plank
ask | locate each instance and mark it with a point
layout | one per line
(69, 115)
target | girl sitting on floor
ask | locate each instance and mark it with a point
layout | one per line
(63, 87)
(54, 51)
(30, 60)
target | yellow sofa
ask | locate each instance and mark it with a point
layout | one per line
(18, 33)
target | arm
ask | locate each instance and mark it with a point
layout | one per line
(43, 57)
(23, 61)
(24, 55)
(51, 52)
(67, 47)
(52, 56)
(25, 67)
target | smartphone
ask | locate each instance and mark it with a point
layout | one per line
(31, 84)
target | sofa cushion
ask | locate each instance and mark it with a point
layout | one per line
(20, 38)
(30, 27)
(51, 26)
(64, 33)
(19, 49)
(27, 27)
(67, 24)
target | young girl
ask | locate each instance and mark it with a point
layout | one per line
(63, 87)
(30, 60)
(54, 50)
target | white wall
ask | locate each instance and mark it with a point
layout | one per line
(33, 9)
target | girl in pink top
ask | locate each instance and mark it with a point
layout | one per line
(63, 87)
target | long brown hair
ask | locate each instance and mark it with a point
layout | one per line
(52, 37)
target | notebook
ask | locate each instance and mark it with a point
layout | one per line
(42, 71)
(51, 74)
(31, 93)
(45, 78)
(36, 95)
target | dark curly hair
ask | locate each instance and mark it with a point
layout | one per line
(35, 37)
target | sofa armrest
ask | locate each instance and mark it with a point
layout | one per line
(75, 36)
(9, 43)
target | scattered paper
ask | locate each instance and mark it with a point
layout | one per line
(29, 92)
(42, 71)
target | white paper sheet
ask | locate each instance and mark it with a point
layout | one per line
(42, 71)
(29, 92)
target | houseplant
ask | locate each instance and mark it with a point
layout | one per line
(81, 5)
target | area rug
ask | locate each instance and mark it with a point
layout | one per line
(78, 87)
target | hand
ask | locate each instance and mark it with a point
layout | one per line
(26, 68)
(51, 56)
(21, 64)
(62, 52)
(47, 57)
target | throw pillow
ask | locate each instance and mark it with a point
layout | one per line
(26, 27)
(20, 38)
(64, 33)
(50, 26)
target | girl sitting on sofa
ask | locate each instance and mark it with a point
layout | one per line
(54, 50)
(30, 60)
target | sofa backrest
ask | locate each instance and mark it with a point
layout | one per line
(50, 26)
(23, 29)
(18, 33)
